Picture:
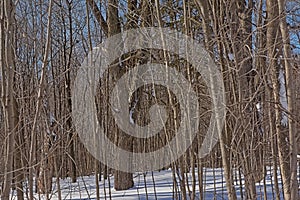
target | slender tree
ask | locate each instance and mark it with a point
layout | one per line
(8, 98)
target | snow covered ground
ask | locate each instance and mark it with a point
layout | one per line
(162, 187)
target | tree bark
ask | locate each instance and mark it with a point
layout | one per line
(293, 191)
(8, 100)
(123, 180)
(97, 13)
(210, 25)
(272, 38)
(39, 104)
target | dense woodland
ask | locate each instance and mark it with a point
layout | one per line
(254, 43)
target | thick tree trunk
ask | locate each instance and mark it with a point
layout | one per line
(250, 151)
(123, 180)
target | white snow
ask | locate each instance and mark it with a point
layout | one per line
(231, 57)
(162, 187)
(258, 107)
(131, 120)
(283, 97)
(52, 118)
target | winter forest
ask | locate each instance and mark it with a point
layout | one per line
(254, 44)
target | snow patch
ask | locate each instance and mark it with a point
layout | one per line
(283, 97)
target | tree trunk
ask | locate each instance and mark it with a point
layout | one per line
(123, 180)
(18, 165)
(291, 102)
(68, 86)
(8, 100)
(272, 35)
(210, 25)
(39, 102)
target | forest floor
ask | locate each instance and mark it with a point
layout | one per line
(160, 185)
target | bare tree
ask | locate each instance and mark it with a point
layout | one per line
(291, 193)
(253, 43)
(44, 171)
(8, 98)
